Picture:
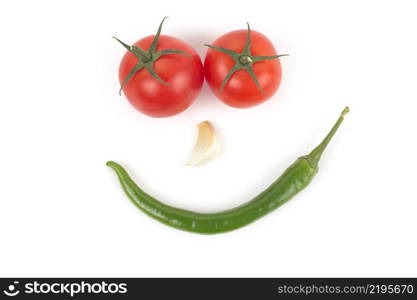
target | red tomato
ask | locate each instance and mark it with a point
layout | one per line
(241, 90)
(184, 74)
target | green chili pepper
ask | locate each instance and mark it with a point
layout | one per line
(294, 179)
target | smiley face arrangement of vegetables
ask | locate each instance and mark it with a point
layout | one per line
(160, 75)
(242, 68)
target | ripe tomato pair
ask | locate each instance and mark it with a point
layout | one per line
(161, 75)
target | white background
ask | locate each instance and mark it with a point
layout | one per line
(63, 213)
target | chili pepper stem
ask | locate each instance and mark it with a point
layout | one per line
(315, 155)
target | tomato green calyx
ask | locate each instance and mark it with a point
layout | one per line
(243, 60)
(147, 58)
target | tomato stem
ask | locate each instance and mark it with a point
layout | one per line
(147, 58)
(244, 60)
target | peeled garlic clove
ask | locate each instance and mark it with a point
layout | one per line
(207, 145)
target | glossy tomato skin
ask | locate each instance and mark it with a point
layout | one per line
(241, 91)
(184, 75)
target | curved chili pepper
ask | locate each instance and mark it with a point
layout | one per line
(295, 178)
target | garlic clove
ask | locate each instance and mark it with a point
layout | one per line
(207, 145)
